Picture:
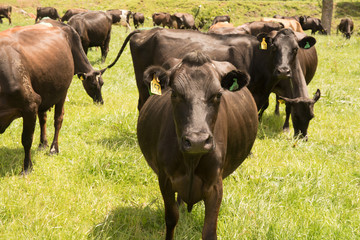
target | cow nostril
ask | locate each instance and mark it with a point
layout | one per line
(208, 140)
(187, 143)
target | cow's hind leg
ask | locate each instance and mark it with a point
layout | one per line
(42, 121)
(29, 121)
(171, 207)
(212, 207)
(277, 112)
(58, 119)
(105, 48)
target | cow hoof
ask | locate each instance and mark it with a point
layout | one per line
(286, 129)
(42, 146)
(53, 151)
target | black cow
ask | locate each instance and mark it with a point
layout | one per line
(49, 12)
(223, 18)
(5, 12)
(196, 133)
(38, 65)
(120, 16)
(138, 19)
(94, 28)
(71, 12)
(156, 46)
(183, 21)
(313, 24)
(346, 26)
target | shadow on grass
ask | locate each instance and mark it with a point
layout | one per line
(130, 223)
(270, 125)
(122, 136)
(344, 9)
(11, 160)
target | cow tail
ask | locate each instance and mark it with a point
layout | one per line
(122, 48)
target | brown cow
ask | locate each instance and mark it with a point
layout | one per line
(163, 19)
(5, 12)
(346, 26)
(71, 12)
(94, 28)
(196, 133)
(220, 25)
(38, 65)
(288, 23)
(138, 18)
(120, 16)
(223, 18)
(183, 21)
(256, 27)
(49, 12)
(312, 23)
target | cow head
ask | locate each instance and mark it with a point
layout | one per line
(92, 82)
(196, 85)
(283, 46)
(302, 112)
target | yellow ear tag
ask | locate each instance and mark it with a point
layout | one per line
(281, 101)
(155, 87)
(81, 78)
(263, 44)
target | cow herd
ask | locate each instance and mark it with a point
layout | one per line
(201, 95)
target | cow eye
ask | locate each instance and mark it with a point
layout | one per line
(216, 97)
(295, 50)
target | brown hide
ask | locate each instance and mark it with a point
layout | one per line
(288, 23)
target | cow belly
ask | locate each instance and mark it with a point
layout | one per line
(7, 116)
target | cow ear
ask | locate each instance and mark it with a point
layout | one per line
(307, 42)
(158, 75)
(235, 80)
(81, 76)
(317, 95)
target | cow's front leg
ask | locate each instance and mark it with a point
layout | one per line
(58, 119)
(212, 207)
(287, 117)
(171, 207)
(42, 121)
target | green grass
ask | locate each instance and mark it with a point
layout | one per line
(100, 187)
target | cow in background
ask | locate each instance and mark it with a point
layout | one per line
(196, 133)
(40, 63)
(346, 26)
(138, 19)
(288, 23)
(94, 28)
(120, 16)
(71, 12)
(49, 12)
(297, 18)
(163, 19)
(223, 18)
(313, 24)
(5, 12)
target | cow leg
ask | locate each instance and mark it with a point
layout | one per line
(277, 112)
(286, 123)
(171, 207)
(58, 119)
(29, 121)
(43, 139)
(212, 208)
(262, 110)
(105, 49)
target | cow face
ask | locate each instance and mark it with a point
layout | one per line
(196, 86)
(284, 46)
(302, 112)
(92, 83)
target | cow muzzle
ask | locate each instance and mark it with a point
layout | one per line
(283, 72)
(197, 143)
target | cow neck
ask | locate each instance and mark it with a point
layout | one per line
(297, 82)
(81, 62)
(191, 162)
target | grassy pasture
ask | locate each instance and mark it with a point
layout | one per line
(100, 187)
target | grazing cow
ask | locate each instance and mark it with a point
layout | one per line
(346, 26)
(71, 12)
(163, 19)
(227, 30)
(288, 23)
(156, 46)
(5, 12)
(38, 65)
(313, 24)
(49, 12)
(94, 28)
(183, 21)
(297, 18)
(120, 16)
(196, 133)
(138, 19)
(224, 18)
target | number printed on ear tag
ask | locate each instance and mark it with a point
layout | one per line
(155, 87)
